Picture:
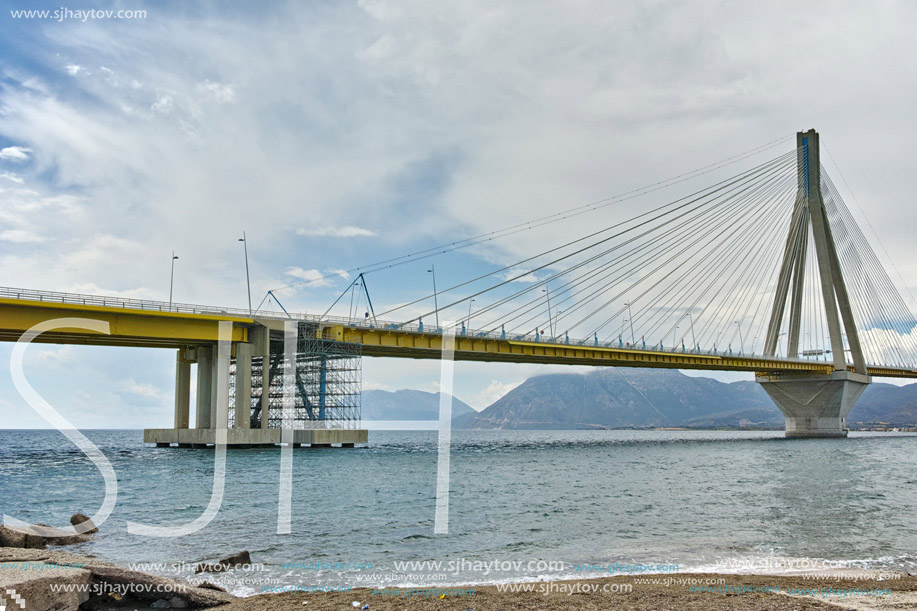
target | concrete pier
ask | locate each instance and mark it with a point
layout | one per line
(204, 387)
(238, 437)
(243, 399)
(182, 390)
(813, 405)
(249, 411)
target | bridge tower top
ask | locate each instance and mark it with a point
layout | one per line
(809, 213)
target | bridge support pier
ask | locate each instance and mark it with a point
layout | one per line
(243, 399)
(182, 390)
(204, 387)
(815, 405)
(325, 410)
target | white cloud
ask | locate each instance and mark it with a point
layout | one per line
(20, 236)
(15, 153)
(332, 112)
(12, 177)
(348, 231)
(374, 385)
(524, 275)
(142, 389)
(221, 93)
(495, 390)
(133, 293)
(65, 355)
(313, 276)
(163, 105)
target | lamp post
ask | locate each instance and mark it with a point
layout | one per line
(547, 292)
(674, 333)
(630, 319)
(248, 281)
(469, 313)
(172, 280)
(432, 270)
(741, 341)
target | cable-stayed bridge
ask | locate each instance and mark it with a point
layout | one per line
(764, 271)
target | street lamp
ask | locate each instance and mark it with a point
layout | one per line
(172, 280)
(469, 313)
(674, 333)
(248, 282)
(432, 270)
(741, 341)
(630, 319)
(550, 321)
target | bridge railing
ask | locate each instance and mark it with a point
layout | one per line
(127, 303)
(120, 302)
(557, 340)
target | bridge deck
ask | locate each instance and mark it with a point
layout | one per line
(426, 345)
(157, 324)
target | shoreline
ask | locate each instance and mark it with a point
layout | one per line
(747, 592)
(40, 571)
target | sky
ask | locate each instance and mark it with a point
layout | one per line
(336, 134)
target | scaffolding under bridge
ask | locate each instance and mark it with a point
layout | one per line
(324, 388)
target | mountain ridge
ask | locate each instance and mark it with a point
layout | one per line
(407, 404)
(652, 398)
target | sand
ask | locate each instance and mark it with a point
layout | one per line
(742, 592)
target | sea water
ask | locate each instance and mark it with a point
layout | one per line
(523, 505)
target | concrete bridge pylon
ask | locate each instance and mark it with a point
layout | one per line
(814, 405)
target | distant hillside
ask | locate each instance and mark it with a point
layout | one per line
(627, 398)
(886, 403)
(407, 405)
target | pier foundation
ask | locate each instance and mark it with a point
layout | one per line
(815, 405)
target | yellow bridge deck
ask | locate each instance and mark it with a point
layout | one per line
(148, 324)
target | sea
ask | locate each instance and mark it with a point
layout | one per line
(522, 505)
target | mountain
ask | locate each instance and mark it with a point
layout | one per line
(641, 398)
(886, 403)
(407, 405)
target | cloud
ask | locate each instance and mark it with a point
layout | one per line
(142, 389)
(524, 275)
(15, 153)
(65, 355)
(374, 385)
(12, 177)
(378, 114)
(133, 293)
(163, 105)
(220, 93)
(495, 390)
(314, 277)
(348, 231)
(20, 236)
